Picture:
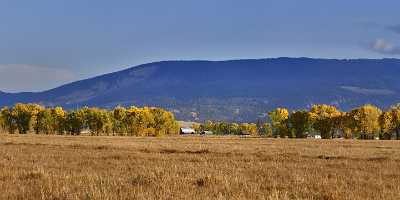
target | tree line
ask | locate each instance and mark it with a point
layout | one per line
(132, 121)
(224, 128)
(364, 122)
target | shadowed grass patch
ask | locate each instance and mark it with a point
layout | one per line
(32, 175)
(172, 151)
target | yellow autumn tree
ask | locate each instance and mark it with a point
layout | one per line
(323, 118)
(248, 128)
(279, 120)
(395, 113)
(366, 121)
(58, 116)
(43, 122)
(163, 122)
(138, 121)
(386, 122)
(25, 116)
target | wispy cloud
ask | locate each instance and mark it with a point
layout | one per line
(368, 91)
(21, 77)
(394, 28)
(384, 47)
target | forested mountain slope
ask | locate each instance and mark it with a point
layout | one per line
(239, 90)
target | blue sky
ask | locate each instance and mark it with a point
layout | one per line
(45, 43)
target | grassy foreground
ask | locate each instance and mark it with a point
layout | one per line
(64, 167)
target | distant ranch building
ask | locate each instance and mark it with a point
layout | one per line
(185, 131)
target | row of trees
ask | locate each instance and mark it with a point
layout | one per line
(224, 128)
(365, 122)
(131, 121)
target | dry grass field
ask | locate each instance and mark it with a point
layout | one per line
(62, 167)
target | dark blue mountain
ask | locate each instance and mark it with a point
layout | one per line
(239, 90)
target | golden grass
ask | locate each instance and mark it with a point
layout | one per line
(65, 167)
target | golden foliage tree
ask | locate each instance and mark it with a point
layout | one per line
(58, 119)
(279, 120)
(386, 122)
(395, 110)
(135, 121)
(366, 121)
(43, 122)
(24, 113)
(248, 128)
(323, 119)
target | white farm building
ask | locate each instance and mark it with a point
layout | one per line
(184, 131)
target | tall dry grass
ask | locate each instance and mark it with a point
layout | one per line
(61, 167)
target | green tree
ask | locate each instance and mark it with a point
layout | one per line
(208, 126)
(118, 120)
(97, 120)
(44, 121)
(75, 121)
(163, 122)
(266, 130)
(234, 129)
(23, 115)
(8, 120)
(300, 123)
(343, 122)
(223, 128)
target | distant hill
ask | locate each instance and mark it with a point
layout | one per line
(239, 90)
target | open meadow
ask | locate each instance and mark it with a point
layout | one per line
(195, 167)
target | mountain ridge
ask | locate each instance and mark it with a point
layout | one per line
(233, 90)
(232, 60)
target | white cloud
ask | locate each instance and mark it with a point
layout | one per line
(384, 47)
(20, 77)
